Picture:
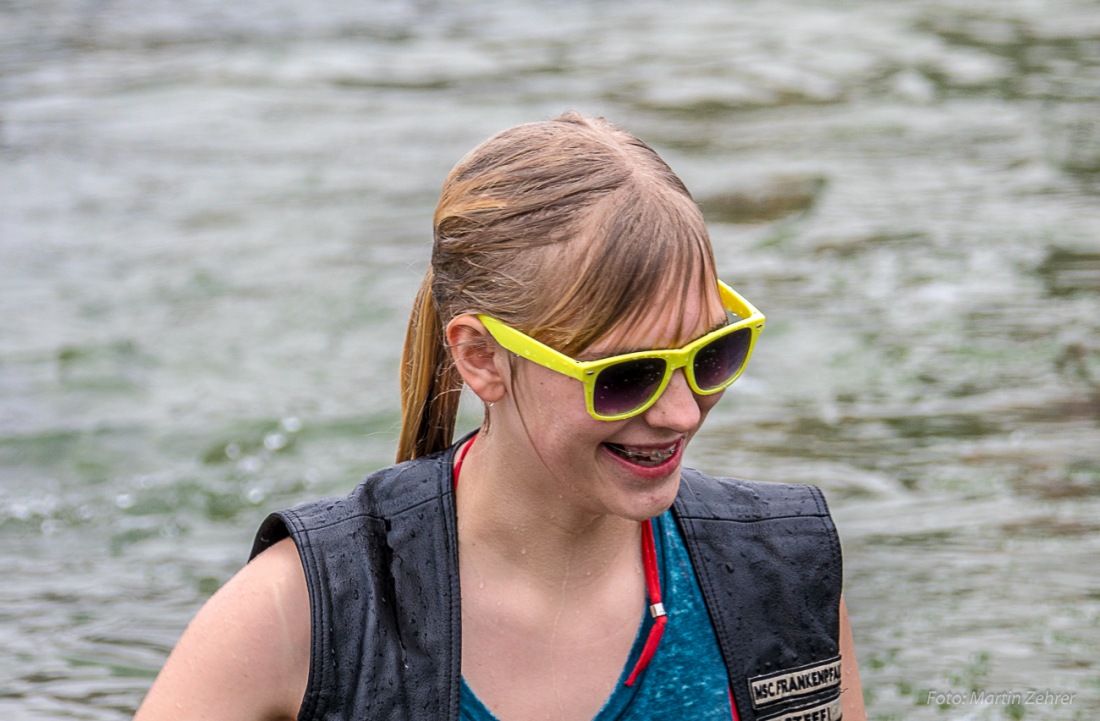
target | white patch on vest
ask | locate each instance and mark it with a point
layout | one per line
(824, 711)
(801, 681)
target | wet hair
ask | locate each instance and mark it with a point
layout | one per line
(563, 229)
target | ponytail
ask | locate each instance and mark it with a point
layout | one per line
(430, 385)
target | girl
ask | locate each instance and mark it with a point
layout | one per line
(559, 563)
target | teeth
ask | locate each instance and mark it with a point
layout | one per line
(653, 456)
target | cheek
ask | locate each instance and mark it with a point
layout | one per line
(544, 396)
(708, 402)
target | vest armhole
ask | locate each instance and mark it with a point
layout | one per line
(277, 527)
(272, 530)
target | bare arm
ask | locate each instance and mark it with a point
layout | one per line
(851, 692)
(245, 656)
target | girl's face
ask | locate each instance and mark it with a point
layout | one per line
(628, 468)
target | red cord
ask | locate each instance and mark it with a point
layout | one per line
(653, 590)
(462, 457)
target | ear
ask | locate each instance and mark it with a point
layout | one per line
(478, 358)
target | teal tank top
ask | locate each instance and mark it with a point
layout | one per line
(686, 678)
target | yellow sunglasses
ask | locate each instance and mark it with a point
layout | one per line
(623, 386)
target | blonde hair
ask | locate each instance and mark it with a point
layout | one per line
(562, 229)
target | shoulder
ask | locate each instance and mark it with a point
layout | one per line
(246, 653)
(788, 524)
(386, 493)
(367, 561)
(707, 497)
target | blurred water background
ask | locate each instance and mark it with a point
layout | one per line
(213, 217)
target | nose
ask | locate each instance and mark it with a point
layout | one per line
(677, 408)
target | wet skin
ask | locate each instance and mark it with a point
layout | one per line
(548, 518)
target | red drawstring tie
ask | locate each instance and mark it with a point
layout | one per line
(652, 582)
(656, 608)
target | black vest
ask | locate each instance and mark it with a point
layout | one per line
(381, 566)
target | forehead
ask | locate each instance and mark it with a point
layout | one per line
(672, 321)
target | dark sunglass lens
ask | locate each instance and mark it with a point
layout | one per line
(622, 387)
(717, 362)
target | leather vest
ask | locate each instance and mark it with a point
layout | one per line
(381, 566)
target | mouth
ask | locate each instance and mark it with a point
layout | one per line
(646, 456)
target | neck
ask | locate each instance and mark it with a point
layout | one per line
(509, 518)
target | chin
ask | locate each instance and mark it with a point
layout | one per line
(654, 499)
